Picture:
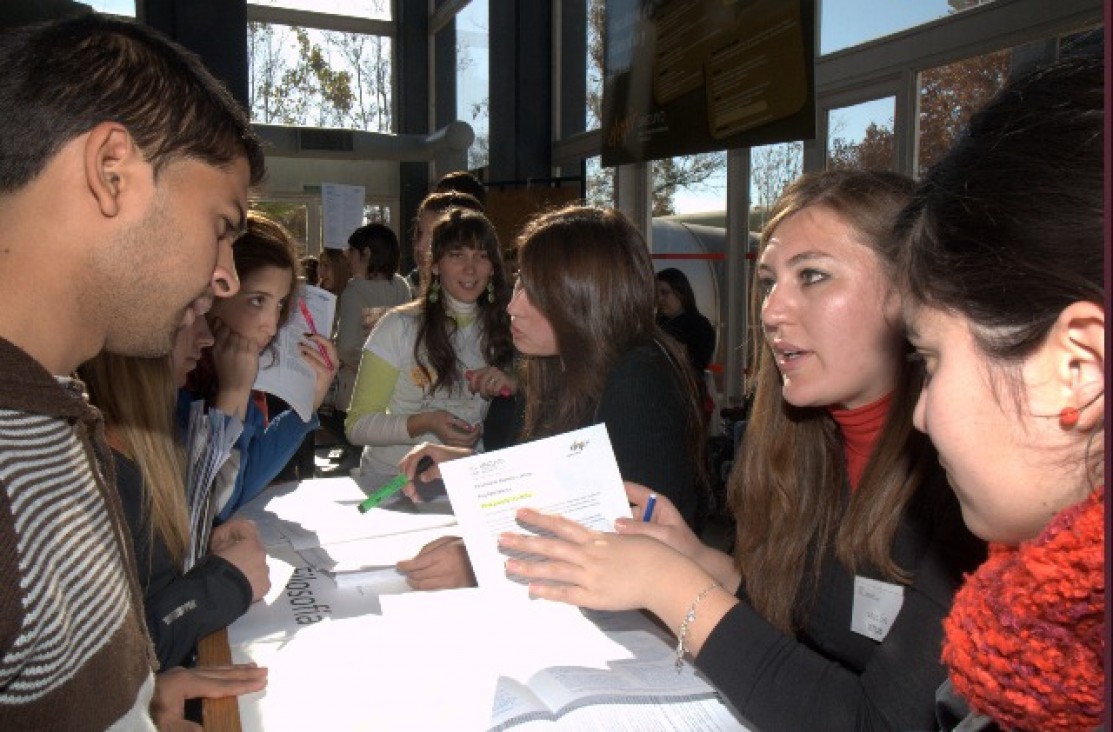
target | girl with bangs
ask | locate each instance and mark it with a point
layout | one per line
(412, 385)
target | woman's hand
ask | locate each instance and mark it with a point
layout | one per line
(236, 360)
(440, 565)
(438, 453)
(449, 429)
(669, 527)
(490, 382)
(591, 569)
(310, 348)
(237, 541)
(174, 686)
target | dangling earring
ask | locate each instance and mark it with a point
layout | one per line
(490, 292)
(1068, 417)
(434, 290)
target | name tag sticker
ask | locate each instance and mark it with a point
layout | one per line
(876, 605)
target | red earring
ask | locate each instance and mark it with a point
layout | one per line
(1068, 417)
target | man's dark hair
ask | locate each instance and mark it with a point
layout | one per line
(382, 242)
(461, 181)
(62, 78)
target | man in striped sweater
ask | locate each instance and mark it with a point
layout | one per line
(124, 171)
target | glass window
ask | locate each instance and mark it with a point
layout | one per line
(772, 167)
(472, 78)
(370, 9)
(846, 23)
(293, 215)
(596, 17)
(599, 187)
(113, 7)
(689, 184)
(861, 136)
(316, 78)
(376, 212)
(949, 95)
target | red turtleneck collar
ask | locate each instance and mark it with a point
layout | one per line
(860, 428)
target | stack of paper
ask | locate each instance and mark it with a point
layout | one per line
(211, 438)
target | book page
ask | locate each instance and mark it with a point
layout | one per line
(573, 474)
(282, 370)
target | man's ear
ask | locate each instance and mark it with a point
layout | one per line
(109, 150)
(1077, 341)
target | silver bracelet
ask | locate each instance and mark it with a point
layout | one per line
(689, 616)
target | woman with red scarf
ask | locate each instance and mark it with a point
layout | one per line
(1004, 289)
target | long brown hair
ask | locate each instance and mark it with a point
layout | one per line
(788, 492)
(137, 398)
(588, 271)
(433, 350)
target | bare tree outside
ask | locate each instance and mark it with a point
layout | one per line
(772, 167)
(305, 76)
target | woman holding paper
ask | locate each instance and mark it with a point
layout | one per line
(412, 383)
(244, 327)
(582, 317)
(849, 544)
(137, 396)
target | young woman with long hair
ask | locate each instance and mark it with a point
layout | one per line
(849, 545)
(412, 383)
(582, 318)
(137, 398)
(244, 327)
(1003, 272)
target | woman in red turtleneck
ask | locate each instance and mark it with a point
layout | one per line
(849, 544)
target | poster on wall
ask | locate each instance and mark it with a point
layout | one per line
(342, 208)
(690, 76)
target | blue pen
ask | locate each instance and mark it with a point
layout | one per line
(649, 505)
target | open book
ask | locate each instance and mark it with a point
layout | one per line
(640, 682)
(282, 371)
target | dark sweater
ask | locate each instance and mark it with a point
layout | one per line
(73, 650)
(830, 677)
(181, 609)
(645, 408)
(696, 334)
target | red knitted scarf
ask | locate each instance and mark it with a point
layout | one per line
(1025, 640)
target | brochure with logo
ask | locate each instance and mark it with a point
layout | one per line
(573, 474)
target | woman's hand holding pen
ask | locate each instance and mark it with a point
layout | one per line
(438, 453)
(490, 382)
(314, 349)
(669, 527)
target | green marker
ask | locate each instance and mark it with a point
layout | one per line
(383, 493)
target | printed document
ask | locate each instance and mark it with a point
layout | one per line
(282, 370)
(573, 474)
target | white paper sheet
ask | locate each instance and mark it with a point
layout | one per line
(573, 474)
(321, 512)
(282, 370)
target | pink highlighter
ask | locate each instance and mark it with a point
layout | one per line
(313, 331)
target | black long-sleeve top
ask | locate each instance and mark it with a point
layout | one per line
(829, 677)
(180, 608)
(645, 409)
